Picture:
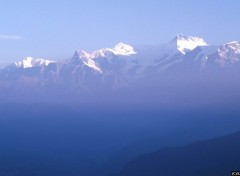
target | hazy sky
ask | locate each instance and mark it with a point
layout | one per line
(54, 29)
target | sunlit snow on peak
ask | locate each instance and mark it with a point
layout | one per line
(120, 49)
(30, 62)
(123, 49)
(187, 43)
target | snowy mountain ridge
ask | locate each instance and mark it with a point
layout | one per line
(122, 65)
(120, 49)
(30, 62)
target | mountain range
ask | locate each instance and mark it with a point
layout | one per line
(121, 66)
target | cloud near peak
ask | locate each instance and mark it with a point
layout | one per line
(10, 37)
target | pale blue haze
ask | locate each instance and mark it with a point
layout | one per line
(54, 29)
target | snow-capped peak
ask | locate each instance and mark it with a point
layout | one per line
(229, 53)
(235, 45)
(119, 49)
(90, 59)
(30, 62)
(185, 43)
(82, 53)
(123, 49)
(231, 47)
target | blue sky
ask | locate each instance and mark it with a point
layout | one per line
(55, 29)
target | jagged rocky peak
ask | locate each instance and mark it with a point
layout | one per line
(79, 53)
(231, 46)
(229, 53)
